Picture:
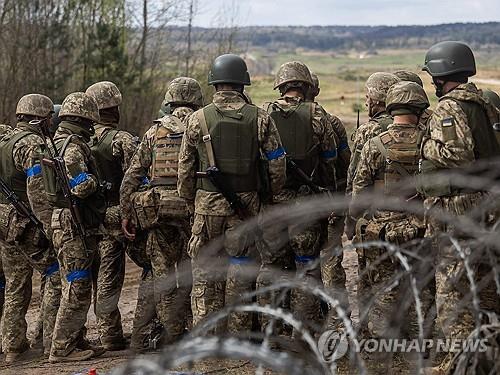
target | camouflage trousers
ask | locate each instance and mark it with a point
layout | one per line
(332, 272)
(217, 278)
(145, 310)
(455, 312)
(391, 312)
(30, 251)
(108, 276)
(75, 266)
(2, 287)
(171, 273)
(293, 247)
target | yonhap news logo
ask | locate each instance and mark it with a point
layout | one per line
(334, 344)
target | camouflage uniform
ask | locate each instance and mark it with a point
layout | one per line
(75, 257)
(303, 243)
(400, 144)
(4, 228)
(114, 149)
(28, 248)
(167, 238)
(332, 272)
(451, 144)
(145, 310)
(376, 86)
(214, 217)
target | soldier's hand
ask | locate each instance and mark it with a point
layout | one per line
(128, 229)
(350, 227)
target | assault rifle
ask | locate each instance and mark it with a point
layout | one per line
(304, 178)
(58, 165)
(21, 207)
(236, 203)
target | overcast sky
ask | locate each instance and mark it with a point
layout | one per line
(348, 12)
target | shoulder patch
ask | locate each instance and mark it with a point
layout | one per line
(448, 122)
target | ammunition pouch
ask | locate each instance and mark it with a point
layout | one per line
(158, 205)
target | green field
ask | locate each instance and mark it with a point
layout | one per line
(342, 76)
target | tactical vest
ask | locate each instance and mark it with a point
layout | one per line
(235, 144)
(92, 208)
(110, 170)
(401, 158)
(13, 177)
(165, 159)
(296, 132)
(481, 126)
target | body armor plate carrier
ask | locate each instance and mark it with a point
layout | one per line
(235, 144)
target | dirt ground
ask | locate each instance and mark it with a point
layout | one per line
(36, 365)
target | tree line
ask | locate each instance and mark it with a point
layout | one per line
(56, 47)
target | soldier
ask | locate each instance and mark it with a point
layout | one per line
(460, 132)
(494, 99)
(161, 211)
(233, 137)
(376, 86)
(112, 150)
(28, 247)
(386, 166)
(406, 75)
(332, 272)
(4, 228)
(75, 250)
(310, 143)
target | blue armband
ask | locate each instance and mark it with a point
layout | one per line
(81, 178)
(329, 154)
(78, 275)
(275, 154)
(305, 258)
(343, 145)
(34, 171)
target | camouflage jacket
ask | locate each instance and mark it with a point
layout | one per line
(372, 163)
(364, 133)
(78, 159)
(214, 203)
(123, 145)
(25, 155)
(142, 160)
(444, 149)
(324, 136)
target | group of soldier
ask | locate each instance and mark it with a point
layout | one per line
(177, 201)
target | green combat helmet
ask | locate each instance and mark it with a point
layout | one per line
(184, 91)
(405, 98)
(293, 71)
(378, 84)
(450, 58)
(35, 105)
(229, 68)
(106, 94)
(79, 104)
(406, 75)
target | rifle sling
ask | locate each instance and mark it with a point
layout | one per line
(206, 138)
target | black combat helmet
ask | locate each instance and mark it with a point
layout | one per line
(229, 69)
(450, 58)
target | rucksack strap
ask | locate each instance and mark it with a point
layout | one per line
(207, 140)
(396, 165)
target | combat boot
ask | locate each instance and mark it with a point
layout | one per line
(75, 356)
